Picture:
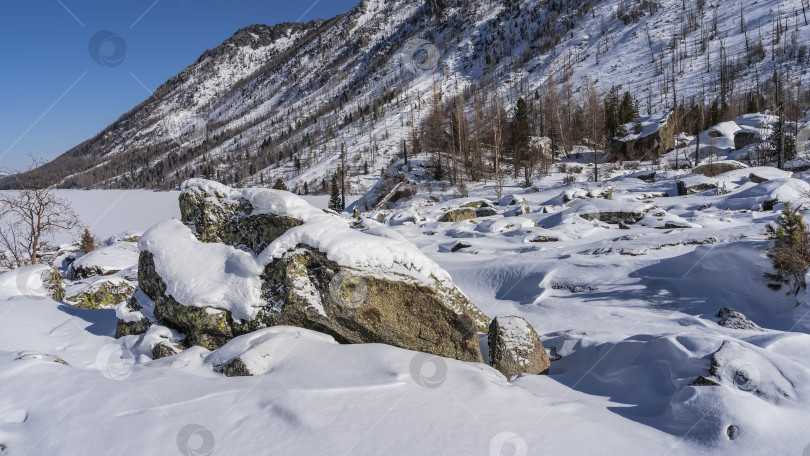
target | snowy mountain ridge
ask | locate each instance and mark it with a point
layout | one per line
(282, 101)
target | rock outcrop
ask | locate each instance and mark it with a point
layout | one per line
(713, 169)
(458, 215)
(655, 140)
(385, 292)
(515, 348)
(102, 295)
(732, 319)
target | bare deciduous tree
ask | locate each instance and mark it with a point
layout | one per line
(30, 216)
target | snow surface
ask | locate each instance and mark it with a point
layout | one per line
(629, 313)
(111, 258)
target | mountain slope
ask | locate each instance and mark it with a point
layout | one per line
(283, 101)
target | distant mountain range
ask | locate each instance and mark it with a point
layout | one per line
(283, 101)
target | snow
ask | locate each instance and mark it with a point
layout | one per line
(204, 275)
(630, 313)
(25, 281)
(331, 235)
(111, 258)
(649, 125)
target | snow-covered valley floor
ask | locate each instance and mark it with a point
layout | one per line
(628, 314)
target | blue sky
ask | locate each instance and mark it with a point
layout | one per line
(53, 95)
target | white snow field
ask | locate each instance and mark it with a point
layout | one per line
(628, 316)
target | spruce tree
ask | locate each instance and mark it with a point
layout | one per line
(279, 185)
(613, 125)
(627, 109)
(778, 139)
(334, 196)
(790, 251)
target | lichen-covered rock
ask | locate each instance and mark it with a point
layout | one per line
(135, 316)
(36, 281)
(164, 350)
(107, 260)
(236, 368)
(652, 142)
(458, 215)
(304, 286)
(101, 295)
(486, 212)
(217, 218)
(52, 282)
(713, 169)
(515, 348)
(131, 328)
(311, 291)
(614, 217)
(205, 326)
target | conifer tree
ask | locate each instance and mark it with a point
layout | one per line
(627, 109)
(334, 197)
(279, 185)
(790, 251)
(613, 124)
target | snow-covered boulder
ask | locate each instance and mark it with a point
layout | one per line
(105, 260)
(656, 137)
(458, 215)
(103, 293)
(515, 348)
(135, 316)
(713, 169)
(696, 183)
(611, 211)
(106, 276)
(732, 319)
(306, 269)
(258, 352)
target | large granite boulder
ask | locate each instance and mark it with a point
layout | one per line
(106, 260)
(458, 215)
(246, 259)
(656, 138)
(515, 348)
